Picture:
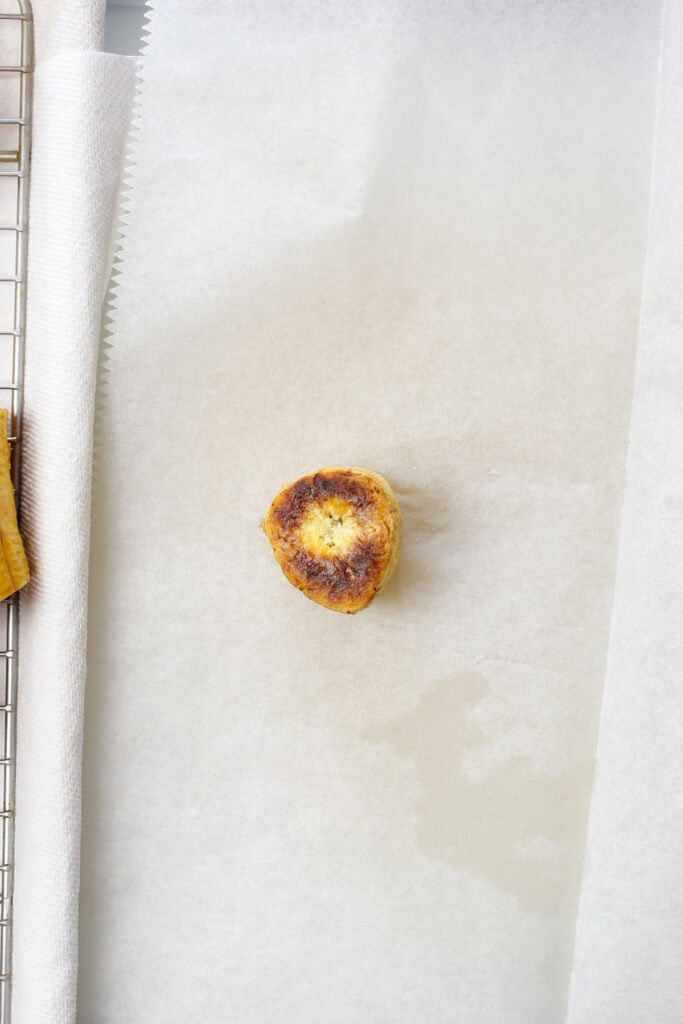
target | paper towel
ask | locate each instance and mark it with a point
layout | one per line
(81, 115)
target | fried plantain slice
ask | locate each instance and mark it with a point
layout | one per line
(14, 571)
(336, 534)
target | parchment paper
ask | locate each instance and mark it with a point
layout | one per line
(629, 943)
(411, 237)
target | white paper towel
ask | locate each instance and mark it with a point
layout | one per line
(409, 236)
(629, 946)
(81, 116)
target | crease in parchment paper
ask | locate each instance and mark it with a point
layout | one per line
(629, 938)
(627, 461)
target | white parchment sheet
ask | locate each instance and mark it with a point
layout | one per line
(629, 942)
(409, 236)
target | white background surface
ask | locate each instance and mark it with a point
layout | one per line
(123, 26)
(405, 237)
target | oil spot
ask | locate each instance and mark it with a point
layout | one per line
(521, 829)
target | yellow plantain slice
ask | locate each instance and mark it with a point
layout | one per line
(13, 565)
(336, 534)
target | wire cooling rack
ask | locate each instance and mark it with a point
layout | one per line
(16, 66)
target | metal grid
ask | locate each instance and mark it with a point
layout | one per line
(16, 65)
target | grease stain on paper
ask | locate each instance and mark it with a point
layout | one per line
(517, 826)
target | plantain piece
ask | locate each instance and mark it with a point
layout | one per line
(13, 565)
(336, 534)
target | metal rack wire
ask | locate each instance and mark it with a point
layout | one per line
(16, 40)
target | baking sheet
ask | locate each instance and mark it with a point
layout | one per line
(412, 237)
